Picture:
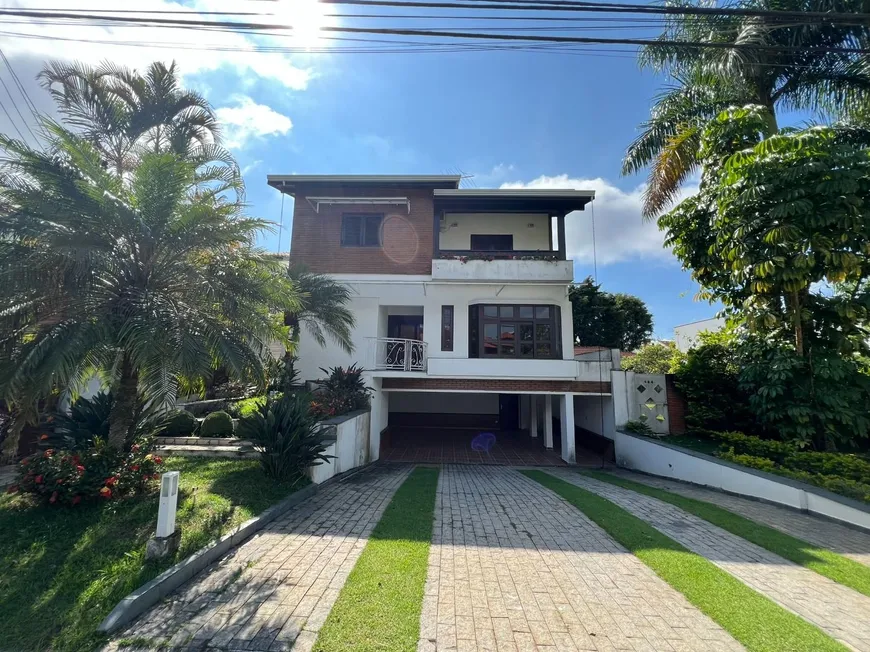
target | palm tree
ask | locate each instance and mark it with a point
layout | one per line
(322, 308)
(777, 63)
(144, 277)
(124, 113)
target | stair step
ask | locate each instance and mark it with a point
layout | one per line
(208, 451)
(201, 441)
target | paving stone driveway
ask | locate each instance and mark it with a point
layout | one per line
(838, 610)
(514, 567)
(274, 591)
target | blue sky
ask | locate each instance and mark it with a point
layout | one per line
(505, 118)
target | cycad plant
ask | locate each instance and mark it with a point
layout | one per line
(323, 310)
(807, 63)
(144, 276)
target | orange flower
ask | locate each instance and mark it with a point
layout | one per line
(111, 481)
(43, 437)
(105, 492)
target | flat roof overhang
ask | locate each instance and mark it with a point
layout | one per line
(288, 183)
(553, 202)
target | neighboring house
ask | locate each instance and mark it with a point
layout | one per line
(686, 335)
(460, 298)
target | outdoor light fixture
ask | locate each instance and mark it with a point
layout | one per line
(166, 539)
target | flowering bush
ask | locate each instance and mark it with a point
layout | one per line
(66, 477)
(343, 391)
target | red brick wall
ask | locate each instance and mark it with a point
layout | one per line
(676, 407)
(407, 238)
(496, 385)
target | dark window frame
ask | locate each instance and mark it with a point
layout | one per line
(505, 246)
(362, 240)
(515, 318)
(447, 319)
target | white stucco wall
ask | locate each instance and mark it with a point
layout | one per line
(516, 224)
(686, 335)
(443, 402)
(350, 450)
(594, 413)
(645, 455)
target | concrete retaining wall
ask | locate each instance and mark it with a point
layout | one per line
(350, 448)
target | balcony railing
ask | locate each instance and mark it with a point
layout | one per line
(511, 254)
(396, 354)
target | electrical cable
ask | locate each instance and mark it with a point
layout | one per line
(11, 121)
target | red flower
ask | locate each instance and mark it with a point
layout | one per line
(105, 492)
(135, 467)
(60, 481)
(25, 462)
(48, 453)
(13, 488)
(80, 468)
(135, 448)
(158, 460)
(76, 500)
(38, 479)
(53, 498)
(111, 481)
(43, 437)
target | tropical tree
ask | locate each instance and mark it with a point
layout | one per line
(322, 308)
(812, 64)
(144, 277)
(616, 321)
(654, 358)
(123, 113)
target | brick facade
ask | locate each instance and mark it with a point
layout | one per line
(497, 385)
(676, 407)
(407, 238)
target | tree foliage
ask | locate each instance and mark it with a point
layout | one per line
(795, 65)
(615, 321)
(653, 358)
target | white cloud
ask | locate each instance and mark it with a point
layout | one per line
(195, 50)
(248, 120)
(621, 233)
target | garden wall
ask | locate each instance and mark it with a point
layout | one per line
(658, 458)
(349, 445)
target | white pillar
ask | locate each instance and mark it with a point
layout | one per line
(548, 421)
(524, 411)
(566, 417)
(533, 416)
(379, 417)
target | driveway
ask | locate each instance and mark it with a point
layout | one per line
(512, 567)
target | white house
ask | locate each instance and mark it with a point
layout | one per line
(460, 298)
(686, 335)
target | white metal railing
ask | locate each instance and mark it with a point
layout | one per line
(397, 354)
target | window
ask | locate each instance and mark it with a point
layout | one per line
(361, 230)
(508, 331)
(492, 242)
(446, 328)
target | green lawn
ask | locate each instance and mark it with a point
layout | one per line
(64, 569)
(824, 562)
(756, 622)
(379, 606)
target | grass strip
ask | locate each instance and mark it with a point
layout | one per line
(825, 562)
(380, 604)
(752, 619)
(65, 568)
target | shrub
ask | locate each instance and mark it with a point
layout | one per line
(343, 391)
(88, 421)
(832, 464)
(179, 423)
(68, 477)
(282, 375)
(286, 434)
(653, 358)
(748, 445)
(216, 424)
(638, 427)
(248, 406)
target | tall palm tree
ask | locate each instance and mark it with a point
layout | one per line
(775, 62)
(146, 277)
(123, 113)
(322, 308)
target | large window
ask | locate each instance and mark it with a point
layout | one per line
(489, 242)
(514, 331)
(361, 229)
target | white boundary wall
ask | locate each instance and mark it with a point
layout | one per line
(350, 449)
(642, 454)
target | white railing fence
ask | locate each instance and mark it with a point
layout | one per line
(397, 354)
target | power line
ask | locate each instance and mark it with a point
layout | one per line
(17, 110)
(11, 121)
(240, 26)
(21, 89)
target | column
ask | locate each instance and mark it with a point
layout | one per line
(566, 417)
(548, 421)
(524, 411)
(379, 417)
(533, 416)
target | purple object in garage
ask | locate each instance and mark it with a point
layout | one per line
(483, 442)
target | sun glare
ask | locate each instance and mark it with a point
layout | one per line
(306, 18)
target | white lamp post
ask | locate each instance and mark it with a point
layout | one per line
(167, 538)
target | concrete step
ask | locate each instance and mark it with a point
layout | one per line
(201, 441)
(208, 451)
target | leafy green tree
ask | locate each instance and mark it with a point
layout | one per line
(809, 65)
(144, 277)
(653, 358)
(616, 321)
(124, 113)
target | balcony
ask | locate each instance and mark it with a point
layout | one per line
(397, 354)
(519, 266)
